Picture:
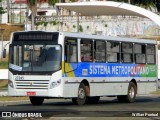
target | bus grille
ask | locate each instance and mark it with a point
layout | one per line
(31, 84)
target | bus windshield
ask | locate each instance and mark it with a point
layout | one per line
(35, 58)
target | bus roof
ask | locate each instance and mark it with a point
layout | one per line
(98, 37)
(110, 38)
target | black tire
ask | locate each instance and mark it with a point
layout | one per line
(132, 91)
(131, 95)
(93, 100)
(36, 100)
(82, 95)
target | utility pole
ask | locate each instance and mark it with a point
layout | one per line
(2, 31)
(20, 12)
(129, 1)
(77, 22)
(8, 10)
(1, 14)
(26, 19)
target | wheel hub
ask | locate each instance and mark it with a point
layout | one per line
(131, 92)
(81, 93)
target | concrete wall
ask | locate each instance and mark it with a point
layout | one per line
(9, 28)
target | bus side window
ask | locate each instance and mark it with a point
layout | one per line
(127, 52)
(113, 51)
(100, 51)
(71, 51)
(139, 53)
(150, 54)
(86, 50)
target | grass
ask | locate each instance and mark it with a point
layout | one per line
(156, 92)
(3, 84)
(7, 98)
(4, 65)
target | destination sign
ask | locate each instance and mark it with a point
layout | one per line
(35, 36)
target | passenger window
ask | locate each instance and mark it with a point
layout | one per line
(71, 50)
(113, 51)
(86, 50)
(139, 53)
(100, 51)
(127, 52)
(150, 54)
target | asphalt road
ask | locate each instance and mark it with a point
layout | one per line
(145, 106)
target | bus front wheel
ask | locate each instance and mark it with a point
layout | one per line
(82, 95)
(36, 100)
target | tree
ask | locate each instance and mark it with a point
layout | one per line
(2, 11)
(52, 2)
(34, 4)
(158, 5)
(147, 4)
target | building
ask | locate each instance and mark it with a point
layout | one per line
(17, 11)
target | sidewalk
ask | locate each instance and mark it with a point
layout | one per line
(3, 74)
(3, 92)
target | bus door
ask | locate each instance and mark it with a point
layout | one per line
(71, 57)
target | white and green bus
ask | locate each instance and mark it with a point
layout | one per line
(80, 66)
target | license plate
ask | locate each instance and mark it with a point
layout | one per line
(31, 93)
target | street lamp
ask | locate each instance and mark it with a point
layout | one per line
(2, 31)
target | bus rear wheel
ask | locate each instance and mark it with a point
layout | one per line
(82, 95)
(131, 95)
(132, 91)
(36, 100)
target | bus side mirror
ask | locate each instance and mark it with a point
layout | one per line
(4, 53)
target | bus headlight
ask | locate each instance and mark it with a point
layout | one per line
(10, 83)
(55, 84)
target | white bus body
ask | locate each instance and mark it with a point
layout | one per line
(111, 66)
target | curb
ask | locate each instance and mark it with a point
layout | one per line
(6, 103)
(4, 93)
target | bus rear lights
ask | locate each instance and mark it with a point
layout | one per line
(55, 84)
(10, 83)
